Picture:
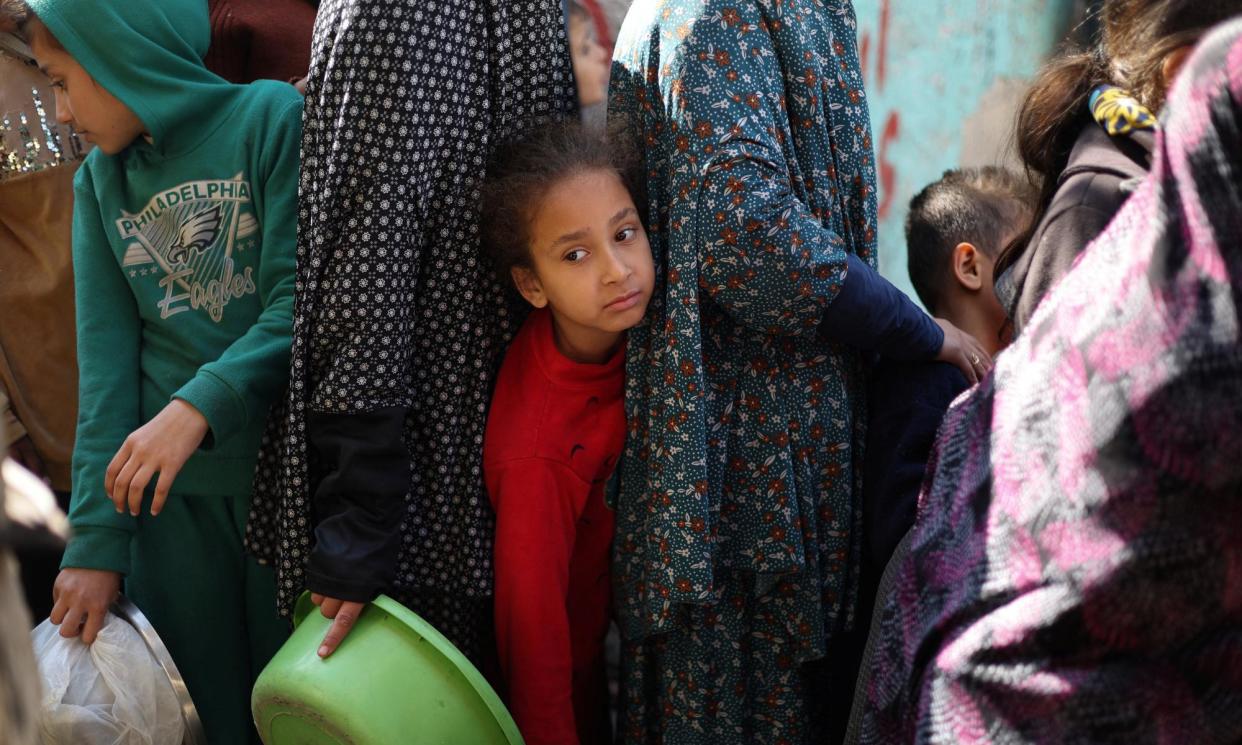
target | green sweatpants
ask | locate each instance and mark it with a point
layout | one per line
(213, 606)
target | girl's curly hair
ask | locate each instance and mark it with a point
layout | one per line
(525, 169)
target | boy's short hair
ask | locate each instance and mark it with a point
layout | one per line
(979, 206)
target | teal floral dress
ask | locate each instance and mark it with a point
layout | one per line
(737, 526)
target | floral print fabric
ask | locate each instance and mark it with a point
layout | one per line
(736, 525)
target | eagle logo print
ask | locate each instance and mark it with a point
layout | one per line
(196, 234)
(192, 241)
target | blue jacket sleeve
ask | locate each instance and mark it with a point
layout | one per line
(870, 313)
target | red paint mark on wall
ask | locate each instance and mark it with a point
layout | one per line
(892, 124)
(882, 51)
(864, 48)
(888, 172)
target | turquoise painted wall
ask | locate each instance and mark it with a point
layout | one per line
(944, 78)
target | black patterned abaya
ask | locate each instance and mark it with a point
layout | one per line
(370, 478)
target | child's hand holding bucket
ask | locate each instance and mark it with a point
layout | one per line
(343, 613)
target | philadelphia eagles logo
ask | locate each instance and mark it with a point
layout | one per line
(198, 242)
(195, 235)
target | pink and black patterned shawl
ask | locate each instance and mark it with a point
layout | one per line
(1075, 572)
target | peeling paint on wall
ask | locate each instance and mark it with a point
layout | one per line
(944, 79)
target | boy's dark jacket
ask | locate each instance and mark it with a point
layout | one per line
(183, 254)
(906, 403)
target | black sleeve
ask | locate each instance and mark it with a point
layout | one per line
(869, 313)
(359, 502)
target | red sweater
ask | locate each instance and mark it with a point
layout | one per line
(554, 434)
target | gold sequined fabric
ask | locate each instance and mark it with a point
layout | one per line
(31, 139)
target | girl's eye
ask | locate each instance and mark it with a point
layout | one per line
(576, 255)
(58, 84)
(625, 234)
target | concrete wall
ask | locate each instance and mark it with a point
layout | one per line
(945, 78)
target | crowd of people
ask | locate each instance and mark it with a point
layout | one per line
(433, 300)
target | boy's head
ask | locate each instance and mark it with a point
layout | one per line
(559, 222)
(97, 116)
(122, 69)
(956, 228)
(590, 59)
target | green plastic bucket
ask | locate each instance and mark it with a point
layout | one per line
(394, 679)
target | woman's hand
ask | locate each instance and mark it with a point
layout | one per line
(161, 445)
(964, 351)
(344, 613)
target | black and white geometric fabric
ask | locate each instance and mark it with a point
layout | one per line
(406, 101)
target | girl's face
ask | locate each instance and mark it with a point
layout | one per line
(98, 116)
(590, 263)
(590, 61)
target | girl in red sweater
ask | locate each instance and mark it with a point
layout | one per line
(560, 224)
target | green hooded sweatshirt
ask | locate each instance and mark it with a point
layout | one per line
(183, 249)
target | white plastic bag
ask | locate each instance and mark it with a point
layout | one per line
(113, 692)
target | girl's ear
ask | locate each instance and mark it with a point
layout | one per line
(529, 286)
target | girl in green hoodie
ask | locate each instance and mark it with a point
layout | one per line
(183, 246)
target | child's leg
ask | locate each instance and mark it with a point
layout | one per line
(191, 579)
